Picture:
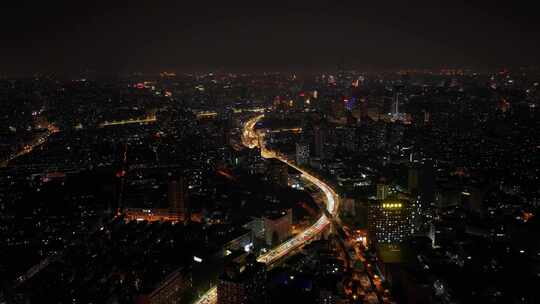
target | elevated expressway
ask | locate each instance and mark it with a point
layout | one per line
(252, 139)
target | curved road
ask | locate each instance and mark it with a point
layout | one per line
(251, 139)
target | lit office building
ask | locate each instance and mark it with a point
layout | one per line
(388, 221)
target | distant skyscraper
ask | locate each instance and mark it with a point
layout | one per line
(427, 117)
(360, 95)
(320, 134)
(394, 111)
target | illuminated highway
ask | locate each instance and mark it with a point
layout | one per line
(252, 139)
(249, 137)
(148, 119)
(30, 146)
(209, 297)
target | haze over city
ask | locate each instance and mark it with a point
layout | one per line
(67, 36)
(239, 152)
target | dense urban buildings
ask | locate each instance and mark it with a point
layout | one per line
(314, 153)
(218, 187)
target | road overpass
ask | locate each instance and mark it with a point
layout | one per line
(252, 139)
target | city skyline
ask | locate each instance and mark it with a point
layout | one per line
(326, 152)
(66, 37)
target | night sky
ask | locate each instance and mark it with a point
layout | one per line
(120, 36)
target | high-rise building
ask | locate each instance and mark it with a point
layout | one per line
(418, 223)
(302, 153)
(278, 172)
(383, 190)
(396, 99)
(427, 181)
(178, 196)
(388, 221)
(421, 186)
(278, 227)
(319, 134)
(413, 180)
(395, 104)
(360, 95)
(243, 283)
